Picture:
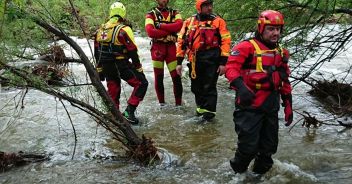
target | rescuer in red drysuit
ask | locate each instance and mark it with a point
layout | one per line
(162, 24)
(258, 70)
(114, 46)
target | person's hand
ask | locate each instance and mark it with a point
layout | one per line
(221, 70)
(287, 103)
(179, 65)
(288, 112)
(157, 25)
(139, 70)
(245, 95)
(179, 70)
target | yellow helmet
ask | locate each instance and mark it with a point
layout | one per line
(118, 9)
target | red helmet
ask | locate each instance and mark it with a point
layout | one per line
(200, 2)
(269, 17)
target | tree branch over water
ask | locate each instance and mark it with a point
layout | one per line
(112, 120)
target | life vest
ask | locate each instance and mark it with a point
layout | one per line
(109, 46)
(264, 71)
(202, 35)
(159, 18)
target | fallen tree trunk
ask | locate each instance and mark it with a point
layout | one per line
(10, 160)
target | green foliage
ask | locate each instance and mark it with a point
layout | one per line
(301, 16)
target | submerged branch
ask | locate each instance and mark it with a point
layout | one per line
(10, 160)
(73, 128)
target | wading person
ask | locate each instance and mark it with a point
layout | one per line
(206, 40)
(162, 24)
(258, 70)
(115, 45)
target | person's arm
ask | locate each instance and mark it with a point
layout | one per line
(126, 37)
(151, 30)
(174, 27)
(286, 89)
(237, 58)
(225, 37)
(181, 47)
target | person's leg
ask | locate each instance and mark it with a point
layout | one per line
(112, 75)
(209, 94)
(268, 143)
(247, 127)
(114, 91)
(196, 87)
(176, 79)
(158, 52)
(140, 85)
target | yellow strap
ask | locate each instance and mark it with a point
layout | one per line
(193, 62)
(99, 69)
(116, 31)
(259, 65)
(259, 52)
(190, 26)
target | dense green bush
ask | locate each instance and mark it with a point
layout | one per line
(301, 16)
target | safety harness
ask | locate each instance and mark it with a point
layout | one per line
(161, 19)
(106, 36)
(259, 64)
(206, 42)
(159, 16)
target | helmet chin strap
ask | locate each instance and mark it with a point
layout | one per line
(118, 17)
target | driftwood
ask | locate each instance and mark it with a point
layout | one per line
(10, 160)
(335, 96)
(50, 58)
(310, 121)
(56, 55)
(145, 152)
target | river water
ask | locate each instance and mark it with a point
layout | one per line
(194, 152)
